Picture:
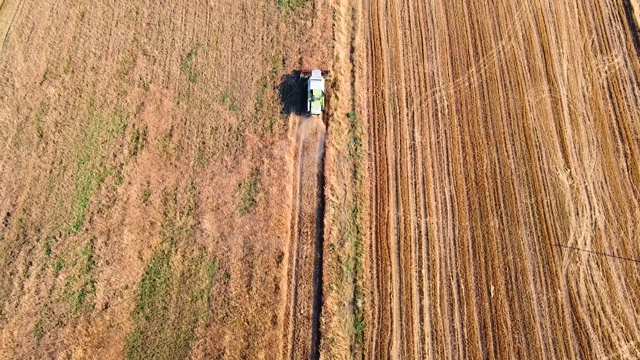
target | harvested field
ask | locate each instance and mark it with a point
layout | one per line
(144, 209)
(505, 162)
(304, 260)
(472, 190)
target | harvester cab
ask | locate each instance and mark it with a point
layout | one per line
(315, 91)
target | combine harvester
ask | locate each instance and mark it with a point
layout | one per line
(316, 90)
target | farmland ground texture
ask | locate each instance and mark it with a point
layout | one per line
(303, 303)
(144, 210)
(480, 190)
(505, 163)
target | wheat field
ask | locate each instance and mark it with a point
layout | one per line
(504, 159)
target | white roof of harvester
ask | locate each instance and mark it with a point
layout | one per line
(316, 81)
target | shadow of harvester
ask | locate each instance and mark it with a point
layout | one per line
(293, 94)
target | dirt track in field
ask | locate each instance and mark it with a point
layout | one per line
(504, 135)
(301, 314)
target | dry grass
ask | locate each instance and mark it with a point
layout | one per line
(175, 290)
(109, 114)
(8, 9)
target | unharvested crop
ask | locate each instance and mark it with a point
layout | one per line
(504, 153)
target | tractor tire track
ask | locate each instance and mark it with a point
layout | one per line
(304, 274)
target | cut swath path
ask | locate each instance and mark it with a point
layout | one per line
(304, 274)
